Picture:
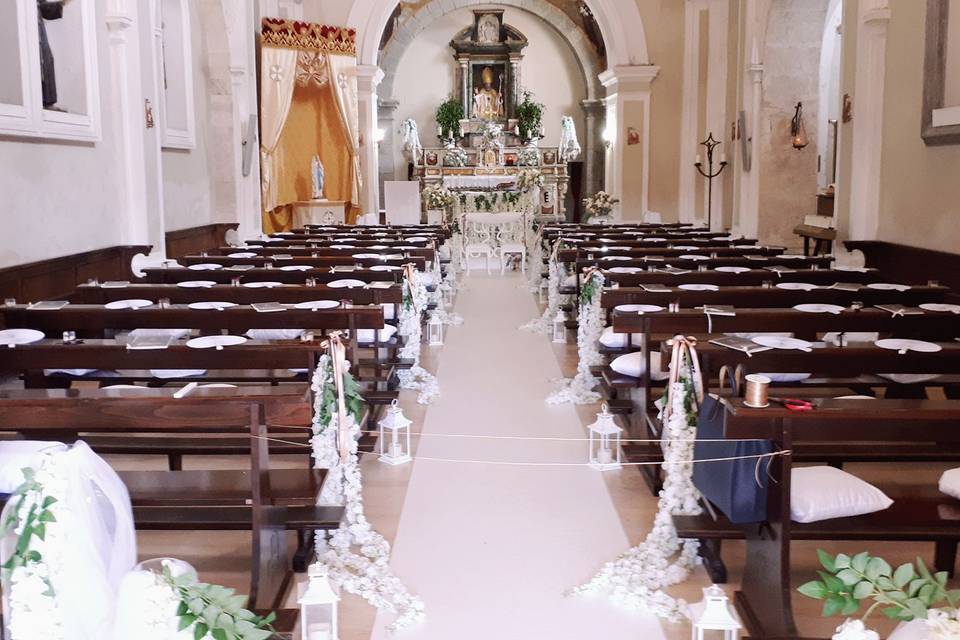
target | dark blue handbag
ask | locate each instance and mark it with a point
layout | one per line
(738, 488)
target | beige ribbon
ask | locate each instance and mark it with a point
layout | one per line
(681, 345)
(338, 356)
(408, 271)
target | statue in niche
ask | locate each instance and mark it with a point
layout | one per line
(48, 10)
(317, 175)
(488, 30)
(487, 101)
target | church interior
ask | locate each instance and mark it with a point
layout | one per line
(436, 319)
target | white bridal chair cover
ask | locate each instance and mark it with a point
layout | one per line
(91, 546)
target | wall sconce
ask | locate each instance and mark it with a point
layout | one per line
(607, 136)
(798, 132)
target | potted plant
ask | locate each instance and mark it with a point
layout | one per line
(449, 115)
(530, 118)
(908, 593)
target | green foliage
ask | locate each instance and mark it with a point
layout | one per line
(529, 116)
(351, 392)
(904, 593)
(449, 115)
(590, 288)
(34, 525)
(216, 610)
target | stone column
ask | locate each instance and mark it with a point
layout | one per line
(628, 105)
(593, 145)
(368, 78)
(139, 216)
(465, 96)
(514, 85)
(387, 153)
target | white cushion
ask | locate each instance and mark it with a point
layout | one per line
(912, 630)
(427, 278)
(16, 455)
(618, 340)
(950, 482)
(175, 334)
(365, 336)
(632, 364)
(389, 311)
(569, 281)
(909, 378)
(274, 334)
(822, 493)
(831, 337)
(786, 377)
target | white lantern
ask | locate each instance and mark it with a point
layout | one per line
(394, 422)
(544, 291)
(560, 328)
(712, 618)
(447, 294)
(435, 330)
(318, 607)
(605, 442)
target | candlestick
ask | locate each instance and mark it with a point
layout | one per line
(710, 144)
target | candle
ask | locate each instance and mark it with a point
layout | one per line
(605, 457)
(440, 130)
(318, 631)
(723, 157)
(698, 159)
(396, 450)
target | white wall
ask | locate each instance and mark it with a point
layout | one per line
(186, 172)
(426, 75)
(61, 198)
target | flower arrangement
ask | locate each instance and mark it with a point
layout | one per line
(415, 302)
(590, 325)
(528, 157)
(449, 115)
(455, 157)
(599, 204)
(490, 133)
(529, 179)
(436, 196)
(906, 593)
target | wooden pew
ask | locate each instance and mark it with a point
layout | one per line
(751, 278)
(47, 414)
(764, 599)
(173, 275)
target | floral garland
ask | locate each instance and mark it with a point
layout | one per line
(32, 569)
(442, 283)
(555, 276)
(590, 325)
(415, 299)
(365, 572)
(637, 578)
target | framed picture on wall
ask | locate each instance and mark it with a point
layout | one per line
(941, 74)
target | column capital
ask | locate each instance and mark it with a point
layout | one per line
(629, 78)
(592, 108)
(387, 106)
(369, 77)
(756, 72)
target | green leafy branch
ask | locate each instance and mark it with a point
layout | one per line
(449, 115)
(216, 610)
(904, 593)
(35, 524)
(351, 392)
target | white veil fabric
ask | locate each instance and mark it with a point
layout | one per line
(87, 550)
(569, 145)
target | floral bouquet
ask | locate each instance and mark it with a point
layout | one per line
(529, 179)
(436, 196)
(491, 133)
(528, 157)
(455, 157)
(599, 204)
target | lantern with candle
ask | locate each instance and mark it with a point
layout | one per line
(605, 442)
(394, 422)
(712, 618)
(435, 330)
(318, 607)
(560, 328)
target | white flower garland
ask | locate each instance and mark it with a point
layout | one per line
(534, 240)
(590, 325)
(33, 609)
(410, 327)
(637, 578)
(365, 572)
(555, 276)
(436, 296)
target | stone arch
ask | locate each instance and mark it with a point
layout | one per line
(568, 31)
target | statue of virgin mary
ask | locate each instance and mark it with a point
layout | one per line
(317, 175)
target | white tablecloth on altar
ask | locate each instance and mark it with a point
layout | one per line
(494, 218)
(477, 182)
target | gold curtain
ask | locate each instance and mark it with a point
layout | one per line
(313, 127)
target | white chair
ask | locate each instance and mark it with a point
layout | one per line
(479, 240)
(511, 241)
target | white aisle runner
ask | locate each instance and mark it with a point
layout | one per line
(492, 549)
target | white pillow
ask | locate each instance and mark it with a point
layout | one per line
(912, 630)
(618, 340)
(274, 334)
(15, 455)
(365, 336)
(569, 281)
(950, 483)
(830, 337)
(427, 278)
(822, 493)
(389, 311)
(632, 364)
(909, 378)
(175, 334)
(786, 377)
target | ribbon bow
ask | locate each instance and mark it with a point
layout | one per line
(683, 345)
(338, 356)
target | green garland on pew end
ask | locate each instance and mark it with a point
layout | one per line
(216, 610)
(351, 391)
